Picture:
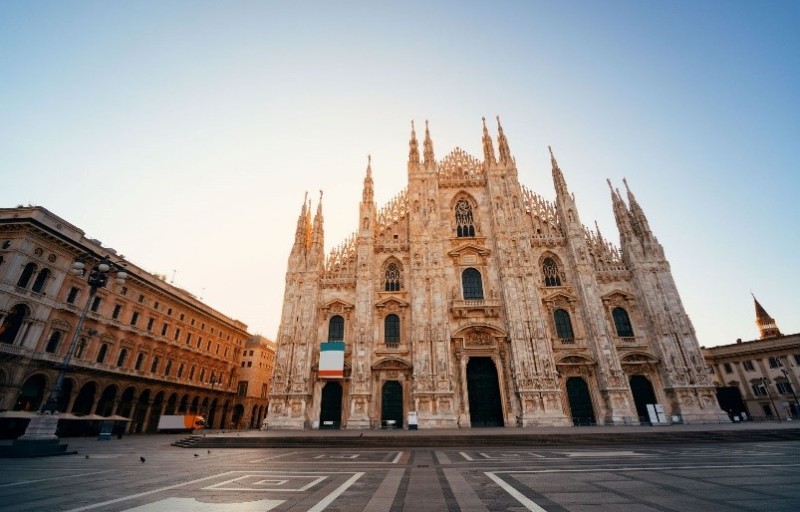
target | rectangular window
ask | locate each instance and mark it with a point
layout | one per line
(242, 390)
(773, 362)
(728, 368)
(264, 389)
(73, 295)
(169, 311)
(188, 338)
(759, 389)
(150, 324)
(123, 291)
(117, 309)
(797, 358)
(96, 304)
(155, 306)
(784, 388)
(134, 317)
(164, 329)
(748, 365)
(177, 333)
(181, 317)
(141, 298)
(154, 365)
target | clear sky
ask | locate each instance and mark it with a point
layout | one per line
(185, 134)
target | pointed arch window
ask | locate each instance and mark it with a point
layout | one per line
(52, 343)
(563, 325)
(41, 280)
(465, 225)
(27, 273)
(622, 322)
(552, 276)
(471, 284)
(336, 328)
(392, 278)
(391, 329)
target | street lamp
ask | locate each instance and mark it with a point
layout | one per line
(765, 383)
(40, 437)
(791, 388)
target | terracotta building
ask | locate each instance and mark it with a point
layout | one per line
(471, 300)
(258, 359)
(758, 378)
(146, 348)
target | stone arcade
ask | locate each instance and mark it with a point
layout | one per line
(471, 300)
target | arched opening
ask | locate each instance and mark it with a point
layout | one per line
(66, 393)
(392, 404)
(336, 328)
(330, 412)
(643, 394)
(172, 403)
(238, 414)
(183, 408)
(140, 413)
(12, 323)
(31, 395)
(254, 417)
(580, 402)
(730, 401)
(195, 408)
(155, 412)
(84, 402)
(41, 280)
(52, 343)
(126, 402)
(483, 387)
(106, 403)
(471, 284)
(622, 323)
(26, 275)
(212, 413)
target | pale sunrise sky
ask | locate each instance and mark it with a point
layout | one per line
(184, 134)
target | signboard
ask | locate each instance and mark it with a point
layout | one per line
(656, 413)
(331, 360)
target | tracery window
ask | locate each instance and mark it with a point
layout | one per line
(465, 225)
(391, 329)
(622, 322)
(336, 328)
(552, 276)
(563, 324)
(471, 284)
(392, 278)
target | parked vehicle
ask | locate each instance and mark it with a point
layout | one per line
(180, 422)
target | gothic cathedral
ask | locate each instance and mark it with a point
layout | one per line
(469, 300)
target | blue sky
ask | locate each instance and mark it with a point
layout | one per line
(185, 134)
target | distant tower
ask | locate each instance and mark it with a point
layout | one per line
(766, 324)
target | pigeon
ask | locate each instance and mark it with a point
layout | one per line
(361, 435)
(87, 456)
(209, 452)
(142, 459)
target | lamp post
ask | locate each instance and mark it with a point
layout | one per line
(765, 383)
(791, 388)
(40, 437)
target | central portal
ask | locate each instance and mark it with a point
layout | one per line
(330, 414)
(483, 387)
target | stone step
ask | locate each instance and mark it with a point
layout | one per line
(417, 439)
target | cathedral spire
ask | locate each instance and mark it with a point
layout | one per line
(301, 233)
(502, 145)
(767, 327)
(368, 194)
(621, 214)
(558, 178)
(488, 147)
(413, 149)
(318, 238)
(428, 154)
(637, 213)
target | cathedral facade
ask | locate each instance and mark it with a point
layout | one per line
(470, 300)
